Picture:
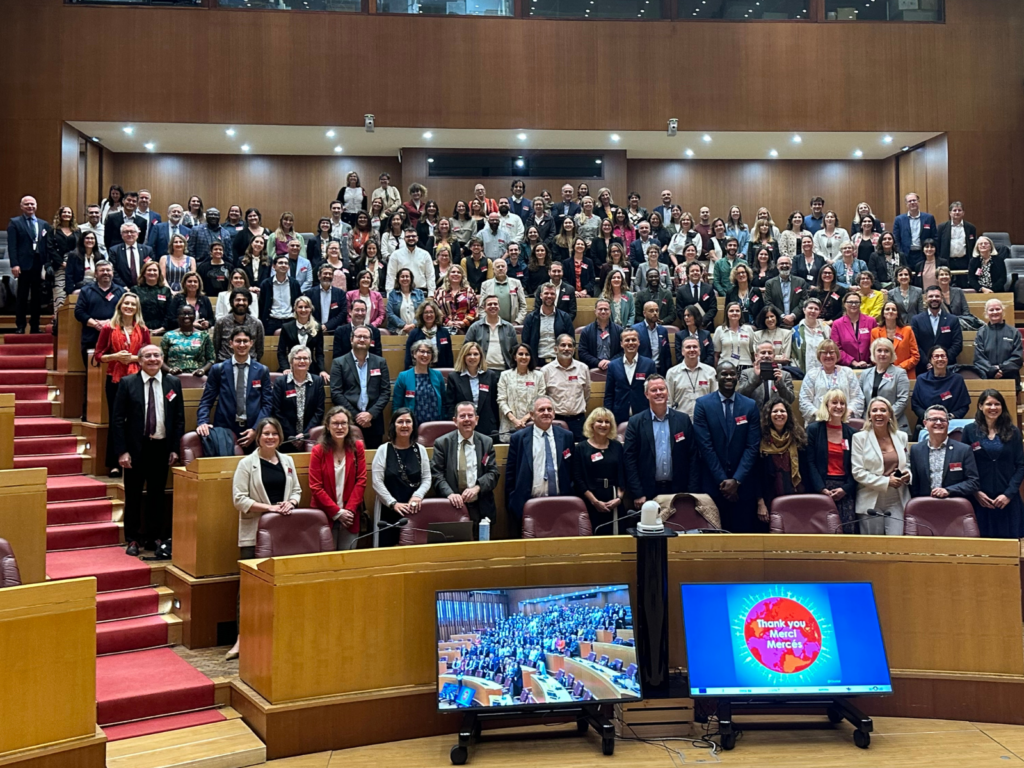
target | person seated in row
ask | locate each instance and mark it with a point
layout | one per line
(185, 349)
(567, 384)
(298, 399)
(887, 379)
(518, 387)
(464, 467)
(303, 331)
(457, 301)
(215, 272)
(939, 386)
(361, 383)
(495, 336)
(690, 329)
(954, 300)
(357, 319)
(544, 325)
(240, 388)
(986, 271)
(848, 267)
(191, 294)
(783, 456)
(829, 375)
(998, 351)
(600, 342)
(430, 329)
(239, 280)
(330, 304)
(997, 447)
(421, 388)
(509, 291)
(936, 327)
(624, 389)
(942, 468)
(656, 292)
(651, 262)
(599, 470)
(830, 463)
(893, 326)
(881, 467)
(766, 380)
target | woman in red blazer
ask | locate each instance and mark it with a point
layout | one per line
(339, 455)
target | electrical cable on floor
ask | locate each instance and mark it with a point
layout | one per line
(701, 743)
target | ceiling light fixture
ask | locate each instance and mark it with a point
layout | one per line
(773, 153)
(244, 147)
(887, 139)
(331, 134)
(428, 135)
(797, 138)
(598, 161)
(858, 153)
(616, 137)
(706, 138)
(688, 153)
(520, 163)
(337, 149)
(430, 159)
(230, 131)
(521, 136)
(128, 129)
(149, 145)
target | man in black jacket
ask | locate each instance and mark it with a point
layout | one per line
(361, 383)
(957, 239)
(149, 420)
(343, 334)
(128, 256)
(565, 294)
(954, 473)
(467, 480)
(112, 227)
(329, 303)
(695, 292)
(544, 325)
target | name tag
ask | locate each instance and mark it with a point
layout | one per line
(846, 444)
(897, 337)
(975, 446)
(679, 437)
(978, 272)
(565, 297)
(197, 342)
(512, 290)
(798, 290)
(161, 297)
(597, 456)
(863, 331)
(566, 453)
(529, 383)
(442, 341)
(946, 396)
(702, 383)
(735, 355)
(410, 393)
(886, 376)
(171, 395)
(605, 335)
(485, 387)
(109, 296)
(375, 371)
(944, 329)
(744, 337)
(955, 466)
(574, 378)
(587, 266)
(640, 376)
(777, 342)
(257, 384)
(741, 420)
(754, 298)
(334, 305)
(835, 296)
(704, 297)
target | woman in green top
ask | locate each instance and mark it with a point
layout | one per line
(185, 349)
(154, 297)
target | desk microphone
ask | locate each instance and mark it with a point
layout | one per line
(428, 532)
(706, 530)
(382, 525)
(635, 513)
(840, 527)
(922, 523)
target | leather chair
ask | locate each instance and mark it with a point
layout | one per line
(274, 378)
(300, 533)
(926, 516)
(446, 372)
(432, 431)
(967, 372)
(555, 516)
(314, 435)
(192, 447)
(686, 516)
(596, 374)
(957, 434)
(9, 575)
(431, 511)
(805, 513)
(188, 381)
(856, 424)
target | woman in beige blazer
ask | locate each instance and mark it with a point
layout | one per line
(265, 483)
(881, 467)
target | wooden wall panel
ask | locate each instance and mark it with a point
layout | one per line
(301, 184)
(780, 186)
(936, 160)
(92, 173)
(986, 173)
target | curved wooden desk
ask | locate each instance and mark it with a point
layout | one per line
(950, 610)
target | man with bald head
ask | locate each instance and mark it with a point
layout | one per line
(149, 420)
(26, 248)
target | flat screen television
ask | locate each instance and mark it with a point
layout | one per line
(536, 647)
(771, 640)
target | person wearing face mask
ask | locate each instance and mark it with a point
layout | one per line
(159, 236)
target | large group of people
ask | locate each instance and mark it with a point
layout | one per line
(854, 319)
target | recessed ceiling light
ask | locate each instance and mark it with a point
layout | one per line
(430, 159)
(520, 163)
(149, 145)
(521, 136)
(96, 139)
(688, 153)
(128, 129)
(706, 138)
(615, 137)
(887, 139)
(337, 149)
(797, 138)
(331, 134)
(858, 153)
(598, 161)
(905, 149)
(773, 153)
(428, 135)
(244, 147)
(230, 131)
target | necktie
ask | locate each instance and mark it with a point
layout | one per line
(240, 383)
(131, 261)
(462, 465)
(174, 231)
(151, 410)
(730, 422)
(549, 466)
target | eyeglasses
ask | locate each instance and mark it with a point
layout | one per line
(938, 420)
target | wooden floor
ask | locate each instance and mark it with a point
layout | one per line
(896, 743)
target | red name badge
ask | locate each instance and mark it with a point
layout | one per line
(798, 290)
(584, 266)
(641, 376)
(161, 297)
(529, 383)
(777, 342)
(605, 335)
(740, 420)
(171, 395)
(978, 272)
(110, 296)
(754, 298)
(955, 466)
(944, 329)
(375, 371)
(574, 378)
(886, 376)
(975, 446)
(897, 337)
(442, 341)
(702, 383)
(835, 296)
(410, 393)
(334, 306)
(290, 393)
(679, 437)
(511, 290)
(257, 384)
(485, 387)
(597, 456)
(565, 297)
(704, 297)
(566, 453)
(945, 395)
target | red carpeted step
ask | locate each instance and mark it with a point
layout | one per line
(74, 489)
(72, 512)
(25, 391)
(41, 446)
(130, 686)
(22, 362)
(60, 537)
(33, 408)
(130, 634)
(41, 427)
(112, 568)
(20, 350)
(29, 338)
(25, 376)
(126, 604)
(162, 724)
(55, 465)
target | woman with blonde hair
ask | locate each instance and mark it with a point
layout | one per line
(623, 308)
(606, 207)
(599, 470)
(303, 331)
(474, 383)
(888, 380)
(829, 464)
(277, 243)
(176, 263)
(986, 273)
(830, 375)
(881, 468)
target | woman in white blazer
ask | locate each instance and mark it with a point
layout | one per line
(882, 470)
(400, 475)
(264, 483)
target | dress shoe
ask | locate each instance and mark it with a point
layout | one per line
(133, 549)
(20, 331)
(36, 330)
(115, 472)
(233, 653)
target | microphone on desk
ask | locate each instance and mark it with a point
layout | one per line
(382, 525)
(840, 527)
(635, 513)
(869, 513)
(427, 531)
(706, 530)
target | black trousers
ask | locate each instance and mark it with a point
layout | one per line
(575, 424)
(149, 471)
(111, 389)
(272, 325)
(29, 282)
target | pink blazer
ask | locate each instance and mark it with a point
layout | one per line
(853, 348)
(376, 312)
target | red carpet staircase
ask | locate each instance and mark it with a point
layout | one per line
(142, 686)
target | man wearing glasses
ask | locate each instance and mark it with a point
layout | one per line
(942, 468)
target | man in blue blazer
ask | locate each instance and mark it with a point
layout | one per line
(159, 236)
(220, 389)
(627, 375)
(330, 307)
(660, 448)
(599, 341)
(26, 248)
(911, 229)
(533, 326)
(526, 449)
(936, 327)
(649, 331)
(959, 477)
(564, 208)
(728, 431)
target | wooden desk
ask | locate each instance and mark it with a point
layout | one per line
(597, 680)
(625, 653)
(6, 431)
(23, 520)
(69, 338)
(48, 696)
(483, 689)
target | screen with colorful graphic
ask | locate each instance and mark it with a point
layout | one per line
(783, 639)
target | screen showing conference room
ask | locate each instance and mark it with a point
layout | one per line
(539, 646)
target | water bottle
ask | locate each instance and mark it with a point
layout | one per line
(485, 529)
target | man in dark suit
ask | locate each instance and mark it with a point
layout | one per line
(911, 229)
(26, 248)
(343, 334)
(149, 420)
(112, 228)
(697, 293)
(542, 445)
(240, 387)
(787, 293)
(728, 430)
(956, 472)
(277, 296)
(535, 332)
(565, 294)
(565, 208)
(660, 448)
(665, 209)
(360, 382)
(956, 241)
(330, 307)
(160, 234)
(128, 257)
(654, 338)
(935, 326)
(638, 248)
(465, 467)
(151, 216)
(599, 341)
(627, 375)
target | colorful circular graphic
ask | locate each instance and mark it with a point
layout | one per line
(782, 635)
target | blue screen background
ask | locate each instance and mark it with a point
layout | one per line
(853, 652)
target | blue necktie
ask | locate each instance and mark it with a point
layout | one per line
(730, 422)
(549, 466)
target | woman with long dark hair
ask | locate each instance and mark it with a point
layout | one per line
(337, 476)
(400, 476)
(783, 456)
(999, 453)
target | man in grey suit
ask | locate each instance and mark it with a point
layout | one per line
(761, 387)
(787, 293)
(464, 467)
(361, 383)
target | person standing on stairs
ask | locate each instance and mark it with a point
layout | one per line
(148, 422)
(26, 249)
(118, 346)
(96, 304)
